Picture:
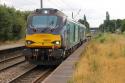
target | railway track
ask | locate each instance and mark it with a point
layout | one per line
(11, 57)
(15, 71)
(35, 75)
(10, 53)
(24, 73)
(14, 68)
(9, 62)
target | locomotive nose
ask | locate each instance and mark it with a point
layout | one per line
(43, 41)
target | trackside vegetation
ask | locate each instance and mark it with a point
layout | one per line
(103, 60)
(112, 25)
(12, 23)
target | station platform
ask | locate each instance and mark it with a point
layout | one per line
(65, 70)
(10, 46)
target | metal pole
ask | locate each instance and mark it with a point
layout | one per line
(41, 3)
(72, 15)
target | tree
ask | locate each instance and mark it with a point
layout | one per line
(108, 25)
(107, 22)
(5, 24)
(123, 26)
(112, 25)
(12, 23)
(101, 28)
(107, 16)
(118, 23)
(84, 21)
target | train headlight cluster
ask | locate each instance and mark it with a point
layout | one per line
(56, 42)
(46, 12)
(29, 42)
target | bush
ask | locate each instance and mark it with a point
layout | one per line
(12, 23)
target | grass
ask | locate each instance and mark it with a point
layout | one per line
(103, 61)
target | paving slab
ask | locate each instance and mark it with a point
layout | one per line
(65, 71)
(10, 46)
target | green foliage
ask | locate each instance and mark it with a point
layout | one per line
(12, 23)
(101, 38)
(107, 16)
(123, 26)
(112, 26)
(108, 26)
(84, 21)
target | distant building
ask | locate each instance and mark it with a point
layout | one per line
(94, 30)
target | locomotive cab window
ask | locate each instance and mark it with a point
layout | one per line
(44, 21)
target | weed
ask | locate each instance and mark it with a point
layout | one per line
(102, 61)
(94, 66)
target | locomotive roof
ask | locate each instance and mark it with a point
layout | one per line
(76, 22)
(50, 11)
(57, 12)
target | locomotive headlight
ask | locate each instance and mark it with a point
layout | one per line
(57, 42)
(29, 42)
(45, 11)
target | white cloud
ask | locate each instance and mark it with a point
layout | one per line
(93, 9)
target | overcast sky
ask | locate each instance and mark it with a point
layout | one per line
(93, 9)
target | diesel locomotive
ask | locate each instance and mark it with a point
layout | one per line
(51, 36)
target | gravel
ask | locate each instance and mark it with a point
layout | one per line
(11, 62)
(14, 72)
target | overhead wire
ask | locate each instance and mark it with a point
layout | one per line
(77, 13)
(72, 9)
(55, 4)
(67, 5)
(63, 6)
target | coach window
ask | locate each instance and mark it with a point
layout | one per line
(68, 31)
(78, 32)
(74, 31)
